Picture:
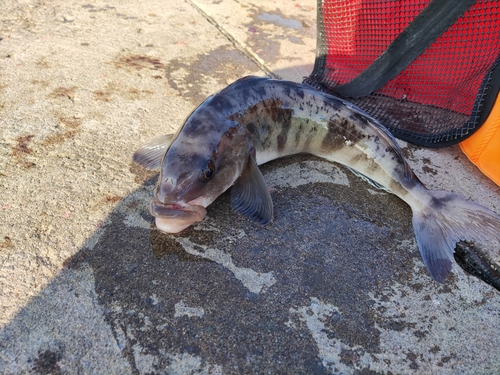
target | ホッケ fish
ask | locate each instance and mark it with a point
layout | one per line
(255, 120)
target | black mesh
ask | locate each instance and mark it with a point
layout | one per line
(425, 69)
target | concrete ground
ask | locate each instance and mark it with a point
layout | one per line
(88, 286)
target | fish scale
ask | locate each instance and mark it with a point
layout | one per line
(255, 120)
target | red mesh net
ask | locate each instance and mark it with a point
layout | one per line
(435, 98)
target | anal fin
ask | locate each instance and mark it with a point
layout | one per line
(369, 180)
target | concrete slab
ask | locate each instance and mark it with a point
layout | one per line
(334, 285)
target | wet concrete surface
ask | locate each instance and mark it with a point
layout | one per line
(335, 284)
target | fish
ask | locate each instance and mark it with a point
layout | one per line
(255, 120)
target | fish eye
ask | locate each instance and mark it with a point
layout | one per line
(208, 172)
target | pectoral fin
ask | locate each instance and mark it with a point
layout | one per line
(250, 195)
(149, 154)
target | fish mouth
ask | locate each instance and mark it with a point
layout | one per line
(175, 217)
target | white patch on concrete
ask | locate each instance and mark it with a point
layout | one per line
(182, 309)
(144, 363)
(121, 339)
(376, 192)
(426, 316)
(428, 320)
(136, 221)
(306, 172)
(255, 282)
(315, 316)
(187, 364)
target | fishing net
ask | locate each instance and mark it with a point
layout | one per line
(428, 70)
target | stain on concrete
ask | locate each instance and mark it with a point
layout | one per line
(138, 62)
(63, 92)
(112, 198)
(115, 88)
(6, 243)
(104, 94)
(43, 63)
(67, 128)
(93, 9)
(22, 149)
(41, 83)
(266, 31)
(181, 309)
(188, 76)
(279, 20)
(166, 246)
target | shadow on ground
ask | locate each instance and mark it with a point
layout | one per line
(334, 284)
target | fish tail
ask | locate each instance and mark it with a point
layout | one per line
(446, 220)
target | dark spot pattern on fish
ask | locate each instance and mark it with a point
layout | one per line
(376, 142)
(361, 120)
(261, 91)
(298, 135)
(360, 158)
(252, 129)
(221, 103)
(268, 122)
(439, 203)
(193, 127)
(300, 93)
(340, 131)
(284, 118)
(415, 178)
(287, 91)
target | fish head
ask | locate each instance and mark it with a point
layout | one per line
(201, 163)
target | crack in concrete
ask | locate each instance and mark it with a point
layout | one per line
(238, 45)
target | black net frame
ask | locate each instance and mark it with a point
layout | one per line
(420, 124)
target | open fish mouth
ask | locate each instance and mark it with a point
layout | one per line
(175, 217)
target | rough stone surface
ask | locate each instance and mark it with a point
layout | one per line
(88, 285)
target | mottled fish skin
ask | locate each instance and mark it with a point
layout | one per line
(285, 118)
(255, 120)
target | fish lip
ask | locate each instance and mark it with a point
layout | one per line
(175, 210)
(175, 217)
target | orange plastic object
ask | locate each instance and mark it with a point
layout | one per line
(483, 147)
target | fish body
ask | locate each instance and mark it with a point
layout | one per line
(255, 120)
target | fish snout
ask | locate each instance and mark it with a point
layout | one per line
(171, 190)
(164, 189)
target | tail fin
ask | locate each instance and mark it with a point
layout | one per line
(445, 221)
